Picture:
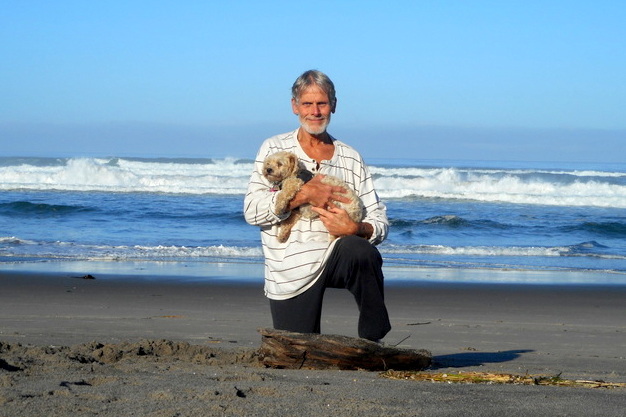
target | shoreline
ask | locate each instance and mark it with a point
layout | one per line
(252, 272)
(573, 331)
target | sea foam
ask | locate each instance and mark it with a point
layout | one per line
(230, 177)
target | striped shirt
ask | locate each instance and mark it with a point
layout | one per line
(294, 266)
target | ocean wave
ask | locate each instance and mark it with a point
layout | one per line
(226, 176)
(611, 229)
(454, 184)
(230, 176)
(414, 171)
(445, 220)
(584, 256)
(579, 250)
(448, 219)
(12, 240)
(217, 251)
(113, 252)
(615, 229)
(475, 250)
(18, 208)
(70, 250)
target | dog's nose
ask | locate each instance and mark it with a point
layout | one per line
(269, 170)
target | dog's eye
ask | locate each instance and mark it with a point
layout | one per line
(280, 164)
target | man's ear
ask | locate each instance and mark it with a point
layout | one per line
(294, 106)
(334, 106)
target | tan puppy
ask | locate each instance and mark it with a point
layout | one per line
(287, 173)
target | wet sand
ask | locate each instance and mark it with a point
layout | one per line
(121, 345)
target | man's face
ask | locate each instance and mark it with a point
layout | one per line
(313, 110)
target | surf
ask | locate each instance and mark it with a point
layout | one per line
(229, 176)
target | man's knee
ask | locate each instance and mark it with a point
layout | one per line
(358, 249)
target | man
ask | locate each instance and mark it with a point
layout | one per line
(299, 270)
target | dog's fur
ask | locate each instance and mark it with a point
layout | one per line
(284, 170)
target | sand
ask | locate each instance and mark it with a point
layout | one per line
(132, 346)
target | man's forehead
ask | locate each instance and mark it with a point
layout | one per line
(314, 93)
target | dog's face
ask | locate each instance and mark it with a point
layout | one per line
(279, 166)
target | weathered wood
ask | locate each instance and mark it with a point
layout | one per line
(282, 349)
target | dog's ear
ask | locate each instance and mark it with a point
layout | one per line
(293, 163)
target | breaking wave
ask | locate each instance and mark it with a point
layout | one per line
(230, 176)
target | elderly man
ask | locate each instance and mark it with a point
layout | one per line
(298, 271)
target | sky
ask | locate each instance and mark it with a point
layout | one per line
(470, 80)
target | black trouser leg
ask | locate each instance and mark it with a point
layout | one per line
(301, 313)
(357, 266)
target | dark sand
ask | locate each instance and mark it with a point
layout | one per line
(129, 346)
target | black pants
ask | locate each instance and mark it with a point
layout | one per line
(355, 265)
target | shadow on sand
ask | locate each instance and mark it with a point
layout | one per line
(460, 360)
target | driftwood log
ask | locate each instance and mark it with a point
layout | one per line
(282, 349)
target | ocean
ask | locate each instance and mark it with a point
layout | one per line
(182, 217)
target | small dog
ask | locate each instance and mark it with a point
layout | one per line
(284, 170)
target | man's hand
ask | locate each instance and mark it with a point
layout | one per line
(338, 223)
(318, 194)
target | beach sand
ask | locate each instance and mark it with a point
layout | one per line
(132, 346)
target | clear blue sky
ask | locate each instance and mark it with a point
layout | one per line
(517, 80)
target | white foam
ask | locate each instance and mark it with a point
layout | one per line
(119, 175)
(477, 250)
(230, 177)
(452, 183)
(68, 250)
(494, 251)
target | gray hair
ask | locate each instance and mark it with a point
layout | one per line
(314, 77)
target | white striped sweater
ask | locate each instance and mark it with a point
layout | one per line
(294, 266)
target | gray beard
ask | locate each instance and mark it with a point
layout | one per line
(311, 131)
